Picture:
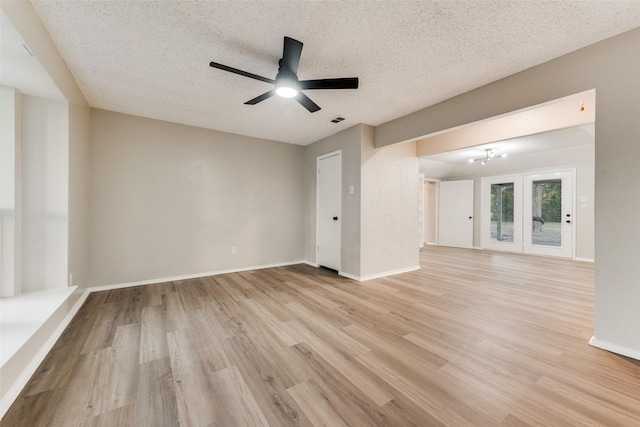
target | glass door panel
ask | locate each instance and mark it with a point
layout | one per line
(548, 227)
(546, 212)
(502, 212)
(501, 218)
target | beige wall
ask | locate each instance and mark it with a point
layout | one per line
(612, 68)
(390, 208)
(171, 200)
(383, 240)
(79, 194)
(349, 142)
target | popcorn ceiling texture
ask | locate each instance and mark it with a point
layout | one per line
(151, 58)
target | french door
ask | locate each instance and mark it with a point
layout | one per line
(530, 214)
(548, 214)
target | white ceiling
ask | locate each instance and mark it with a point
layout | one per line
(547, 141)
(19, 68)
(545, 146)
(151, 58)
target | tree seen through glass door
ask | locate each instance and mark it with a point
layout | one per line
(502, 212)
(546, 202)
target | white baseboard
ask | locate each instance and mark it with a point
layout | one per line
(27, 373)
(189, 276)
(584, 259)
(615, 348)
(477, 248)
(350, 276)
(312, 264)
(379, 275)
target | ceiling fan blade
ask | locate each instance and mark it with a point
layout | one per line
(291, 54)
(240, 72)
(261, 98)
(343, 83)
(307, 103)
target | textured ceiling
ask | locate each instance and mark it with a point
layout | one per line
(151, 58)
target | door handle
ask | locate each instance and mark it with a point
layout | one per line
(335, 218)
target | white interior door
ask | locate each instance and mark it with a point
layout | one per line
(548, 222)
(455, 219)
(501, 217)
(329, 210)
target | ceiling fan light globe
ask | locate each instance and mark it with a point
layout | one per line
(286, 92)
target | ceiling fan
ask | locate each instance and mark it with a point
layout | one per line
(286, 82)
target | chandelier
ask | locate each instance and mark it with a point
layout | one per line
(490, 153)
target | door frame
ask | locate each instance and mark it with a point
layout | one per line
(318, 159)
(433, 211)
(560, 252)
(485, 216)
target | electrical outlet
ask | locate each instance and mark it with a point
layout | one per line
(234, 250)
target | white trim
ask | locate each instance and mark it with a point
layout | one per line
(584, 259)
(379, 275)
(312, 264)
(190, 276)
(478, 248)
(27, 373)
(331, 154)
(615, 348)
(350, 276)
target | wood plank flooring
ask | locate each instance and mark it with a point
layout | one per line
(472, 339)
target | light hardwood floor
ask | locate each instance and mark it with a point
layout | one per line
(473, 339)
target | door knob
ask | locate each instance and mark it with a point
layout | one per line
(335, 218)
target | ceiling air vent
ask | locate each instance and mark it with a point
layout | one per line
(337, 119)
